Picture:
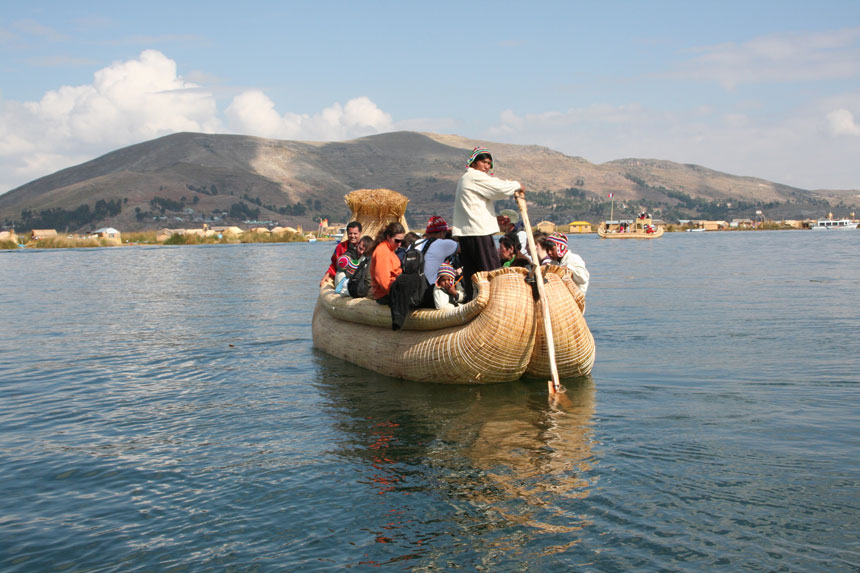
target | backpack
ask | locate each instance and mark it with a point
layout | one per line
(413, 260)
(358, 285)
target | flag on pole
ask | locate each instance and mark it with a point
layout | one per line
(611, 195)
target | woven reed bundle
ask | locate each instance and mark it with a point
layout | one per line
(367, 311)
(375, 208)
(574, 344)
(493, 347)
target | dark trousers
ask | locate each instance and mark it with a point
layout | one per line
(477, 254)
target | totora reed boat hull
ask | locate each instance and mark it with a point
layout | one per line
(497, 337)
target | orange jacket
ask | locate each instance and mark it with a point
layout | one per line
(384, 268)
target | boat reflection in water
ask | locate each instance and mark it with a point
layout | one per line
(538, 459)
(489, 467)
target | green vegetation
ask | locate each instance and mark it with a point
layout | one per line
(8, 245)
(57, 218)
(181, 239)
(242, 211)
(164, 204)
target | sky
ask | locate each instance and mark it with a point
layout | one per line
(767, 89)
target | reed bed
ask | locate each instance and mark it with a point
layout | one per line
(285, 237)
(71, 243)
(141, 237)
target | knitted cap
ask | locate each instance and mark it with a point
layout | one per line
(479, 151)
(436, 224)
(342, 262)
(446, 270)
(560, 242)
(351, 265)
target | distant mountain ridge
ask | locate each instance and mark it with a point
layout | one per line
(185, 178)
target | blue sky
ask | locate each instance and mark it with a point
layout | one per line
(767, 89)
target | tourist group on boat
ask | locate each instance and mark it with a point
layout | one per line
(434, 270)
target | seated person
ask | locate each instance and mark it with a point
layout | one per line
(510, 252)
(346, 266)
(384, 264)
(358, 284)
(441, 249)
(562, 256)
(408, 239)
(509, 222)
(353, 234)
(543, 247)
(447, 294)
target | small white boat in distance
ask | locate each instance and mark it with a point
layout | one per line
(835, 225)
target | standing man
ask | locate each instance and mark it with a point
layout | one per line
(475, 217)
(353, 235)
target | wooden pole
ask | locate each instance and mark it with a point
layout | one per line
(554, 384)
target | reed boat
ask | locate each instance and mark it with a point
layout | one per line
(641, 228)
(496, 337)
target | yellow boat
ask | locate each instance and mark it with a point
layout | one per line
(641, 228)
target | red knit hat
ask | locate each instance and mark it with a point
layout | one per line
(436, 224)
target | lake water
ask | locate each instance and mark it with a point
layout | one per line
(163, 408)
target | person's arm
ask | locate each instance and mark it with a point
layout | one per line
(494, 188)
(579, 272)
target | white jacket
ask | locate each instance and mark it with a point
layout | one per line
(577, 266)
(474, 215)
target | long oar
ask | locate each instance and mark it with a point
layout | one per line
(554, 384)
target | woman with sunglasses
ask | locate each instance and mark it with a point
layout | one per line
(384, 263)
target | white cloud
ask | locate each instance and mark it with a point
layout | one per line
(793, 150)
(253, 113)
(126, 103)
(777, 58)
(144, 98)
(841, 122)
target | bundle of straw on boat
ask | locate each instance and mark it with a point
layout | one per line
(376, 208)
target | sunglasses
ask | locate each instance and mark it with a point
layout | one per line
(398, 241)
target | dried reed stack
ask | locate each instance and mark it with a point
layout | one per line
(375, 208)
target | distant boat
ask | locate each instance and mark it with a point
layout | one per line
(641, 228)
(835, 225)
(698, 230)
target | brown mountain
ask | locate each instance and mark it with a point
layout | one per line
(182, 179)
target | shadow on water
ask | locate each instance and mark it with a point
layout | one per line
(469, 474)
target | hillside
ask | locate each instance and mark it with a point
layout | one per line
(187, 178)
